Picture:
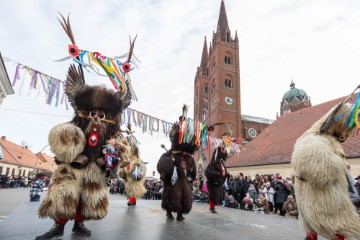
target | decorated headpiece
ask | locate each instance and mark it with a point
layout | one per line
(343, 118)
(118, 72)
(188, 135)
(227, 139)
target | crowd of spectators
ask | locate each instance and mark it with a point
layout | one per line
(153, 188)
(18, 181)
(263, 194)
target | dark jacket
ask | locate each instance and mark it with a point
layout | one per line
(281, 192)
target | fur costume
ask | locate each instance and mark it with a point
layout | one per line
(321, 185)
(79, 190)
(216, 174)
(134, 187)
(177, 196)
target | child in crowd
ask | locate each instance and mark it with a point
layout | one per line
(36, 186)
(230, 202)
(247, 203)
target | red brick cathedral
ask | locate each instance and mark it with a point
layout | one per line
(217, 96)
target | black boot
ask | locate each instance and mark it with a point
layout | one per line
(212, 210)
(56, 231)
(80, 228)
(169, 215)
(180, 217)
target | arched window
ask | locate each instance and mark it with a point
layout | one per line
(228, 83)
(24, 172)
(213, 63)
(19, 172)
(213, 86)
(203, 117)
(206, 89)
(227, 60)
(13, 172)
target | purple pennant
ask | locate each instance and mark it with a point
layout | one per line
(17, 74)
(43, 83)
(33, 79)
(51, 91)
(57, 92)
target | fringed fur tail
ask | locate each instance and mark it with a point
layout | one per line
(94, 193)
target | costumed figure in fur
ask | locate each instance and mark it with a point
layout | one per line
(79, 191)
(321, 187)
(215, 175)
(216, 170)
(177, 170)
(134, 172)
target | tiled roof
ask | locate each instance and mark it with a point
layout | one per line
(275, 143)
(23, 156)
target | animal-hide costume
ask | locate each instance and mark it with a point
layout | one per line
(177, 197)
(79, 190)
(321, 186)
(134, 185)
(216, 174)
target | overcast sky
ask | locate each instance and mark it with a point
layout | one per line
(315, 43)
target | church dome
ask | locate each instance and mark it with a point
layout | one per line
(293, 100)
(294, 92)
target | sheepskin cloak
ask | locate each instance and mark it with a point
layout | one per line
(134, 188)
(321, 186)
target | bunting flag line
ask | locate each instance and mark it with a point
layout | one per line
(192, 131)
(52, 87)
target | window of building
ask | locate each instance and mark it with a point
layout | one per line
(7, 171)
(227, 60)
(206, 106)
(213, 63)
(213, 86)
(1, 169)
(203, 117)
(19, 172)
(228, 83)
(13, 172)
(24, 172)
(206, 89)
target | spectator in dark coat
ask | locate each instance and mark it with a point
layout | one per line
(237, 188)
(4, 179)
(281, 194)
(247, 183)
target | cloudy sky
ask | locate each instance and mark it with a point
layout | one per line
(315, 43)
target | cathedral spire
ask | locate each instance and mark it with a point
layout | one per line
(222, 22)
(204, 57)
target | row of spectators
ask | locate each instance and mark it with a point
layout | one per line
(265, 194)
(153, 188)
(18, 181)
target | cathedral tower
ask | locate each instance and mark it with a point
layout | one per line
(217, 81)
